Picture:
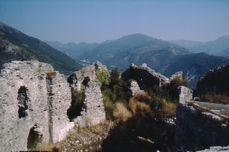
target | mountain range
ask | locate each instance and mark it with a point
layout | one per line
(166, 57)
(219, 47)
(15, 45)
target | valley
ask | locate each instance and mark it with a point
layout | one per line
(139, 100)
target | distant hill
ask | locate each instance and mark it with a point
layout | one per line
(15, 45)
(215, 47)
(194, 66)
(135, 48)
(224, 52)
(162, 56)
(72, 49)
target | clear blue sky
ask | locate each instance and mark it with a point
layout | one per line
(100, 20)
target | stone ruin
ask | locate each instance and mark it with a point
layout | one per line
(93, 111)
(200, 125)
(34, 100)
(145, 76)
(33, 104)
(82, 77)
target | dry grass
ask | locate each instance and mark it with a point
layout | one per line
(142, 97)
(139, 104)
(45, 147)
(215, 98)
(138, 107)
(168, 110)
(109, 106)
(121, 113)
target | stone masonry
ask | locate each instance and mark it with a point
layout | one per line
(145, 76)
(33, 105)
(85, 75)
(93, 111)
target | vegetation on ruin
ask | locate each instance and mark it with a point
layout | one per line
(156, 102)
(103, 77)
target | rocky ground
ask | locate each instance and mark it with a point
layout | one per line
(133, 135)
(85, 139)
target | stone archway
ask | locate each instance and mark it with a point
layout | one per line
(35, 136)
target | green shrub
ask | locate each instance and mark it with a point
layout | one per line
(103, 77)
(115, 77)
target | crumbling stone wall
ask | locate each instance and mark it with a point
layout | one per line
(135, 88)
(93, 111)
(200, 125)
(86, 74)
(33, 104)
(145, 76)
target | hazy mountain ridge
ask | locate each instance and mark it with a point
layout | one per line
(162, 56)
(16, 45)
(72, 49)
(194, 66)
(125, 49)
(215, 47)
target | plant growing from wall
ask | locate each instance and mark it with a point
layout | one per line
(103, 77)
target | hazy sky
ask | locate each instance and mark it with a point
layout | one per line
(100, 20)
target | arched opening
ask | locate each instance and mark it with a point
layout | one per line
(33, 139)
(76, 104)
(22, 101)
(77, 100)
(72, 79)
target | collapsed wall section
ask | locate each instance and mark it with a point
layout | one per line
(75, 79)
(27, 104)
(145, 76)
(59, 97)
(93, 111)
(15, 129)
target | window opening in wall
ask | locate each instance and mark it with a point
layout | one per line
(85, 81)
(22, 101)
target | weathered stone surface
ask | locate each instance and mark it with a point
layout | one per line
(33, 104)
(86, 74)
(185, 94)
(135, 88)
(93, 109)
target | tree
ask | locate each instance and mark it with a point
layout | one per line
(115, 77)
